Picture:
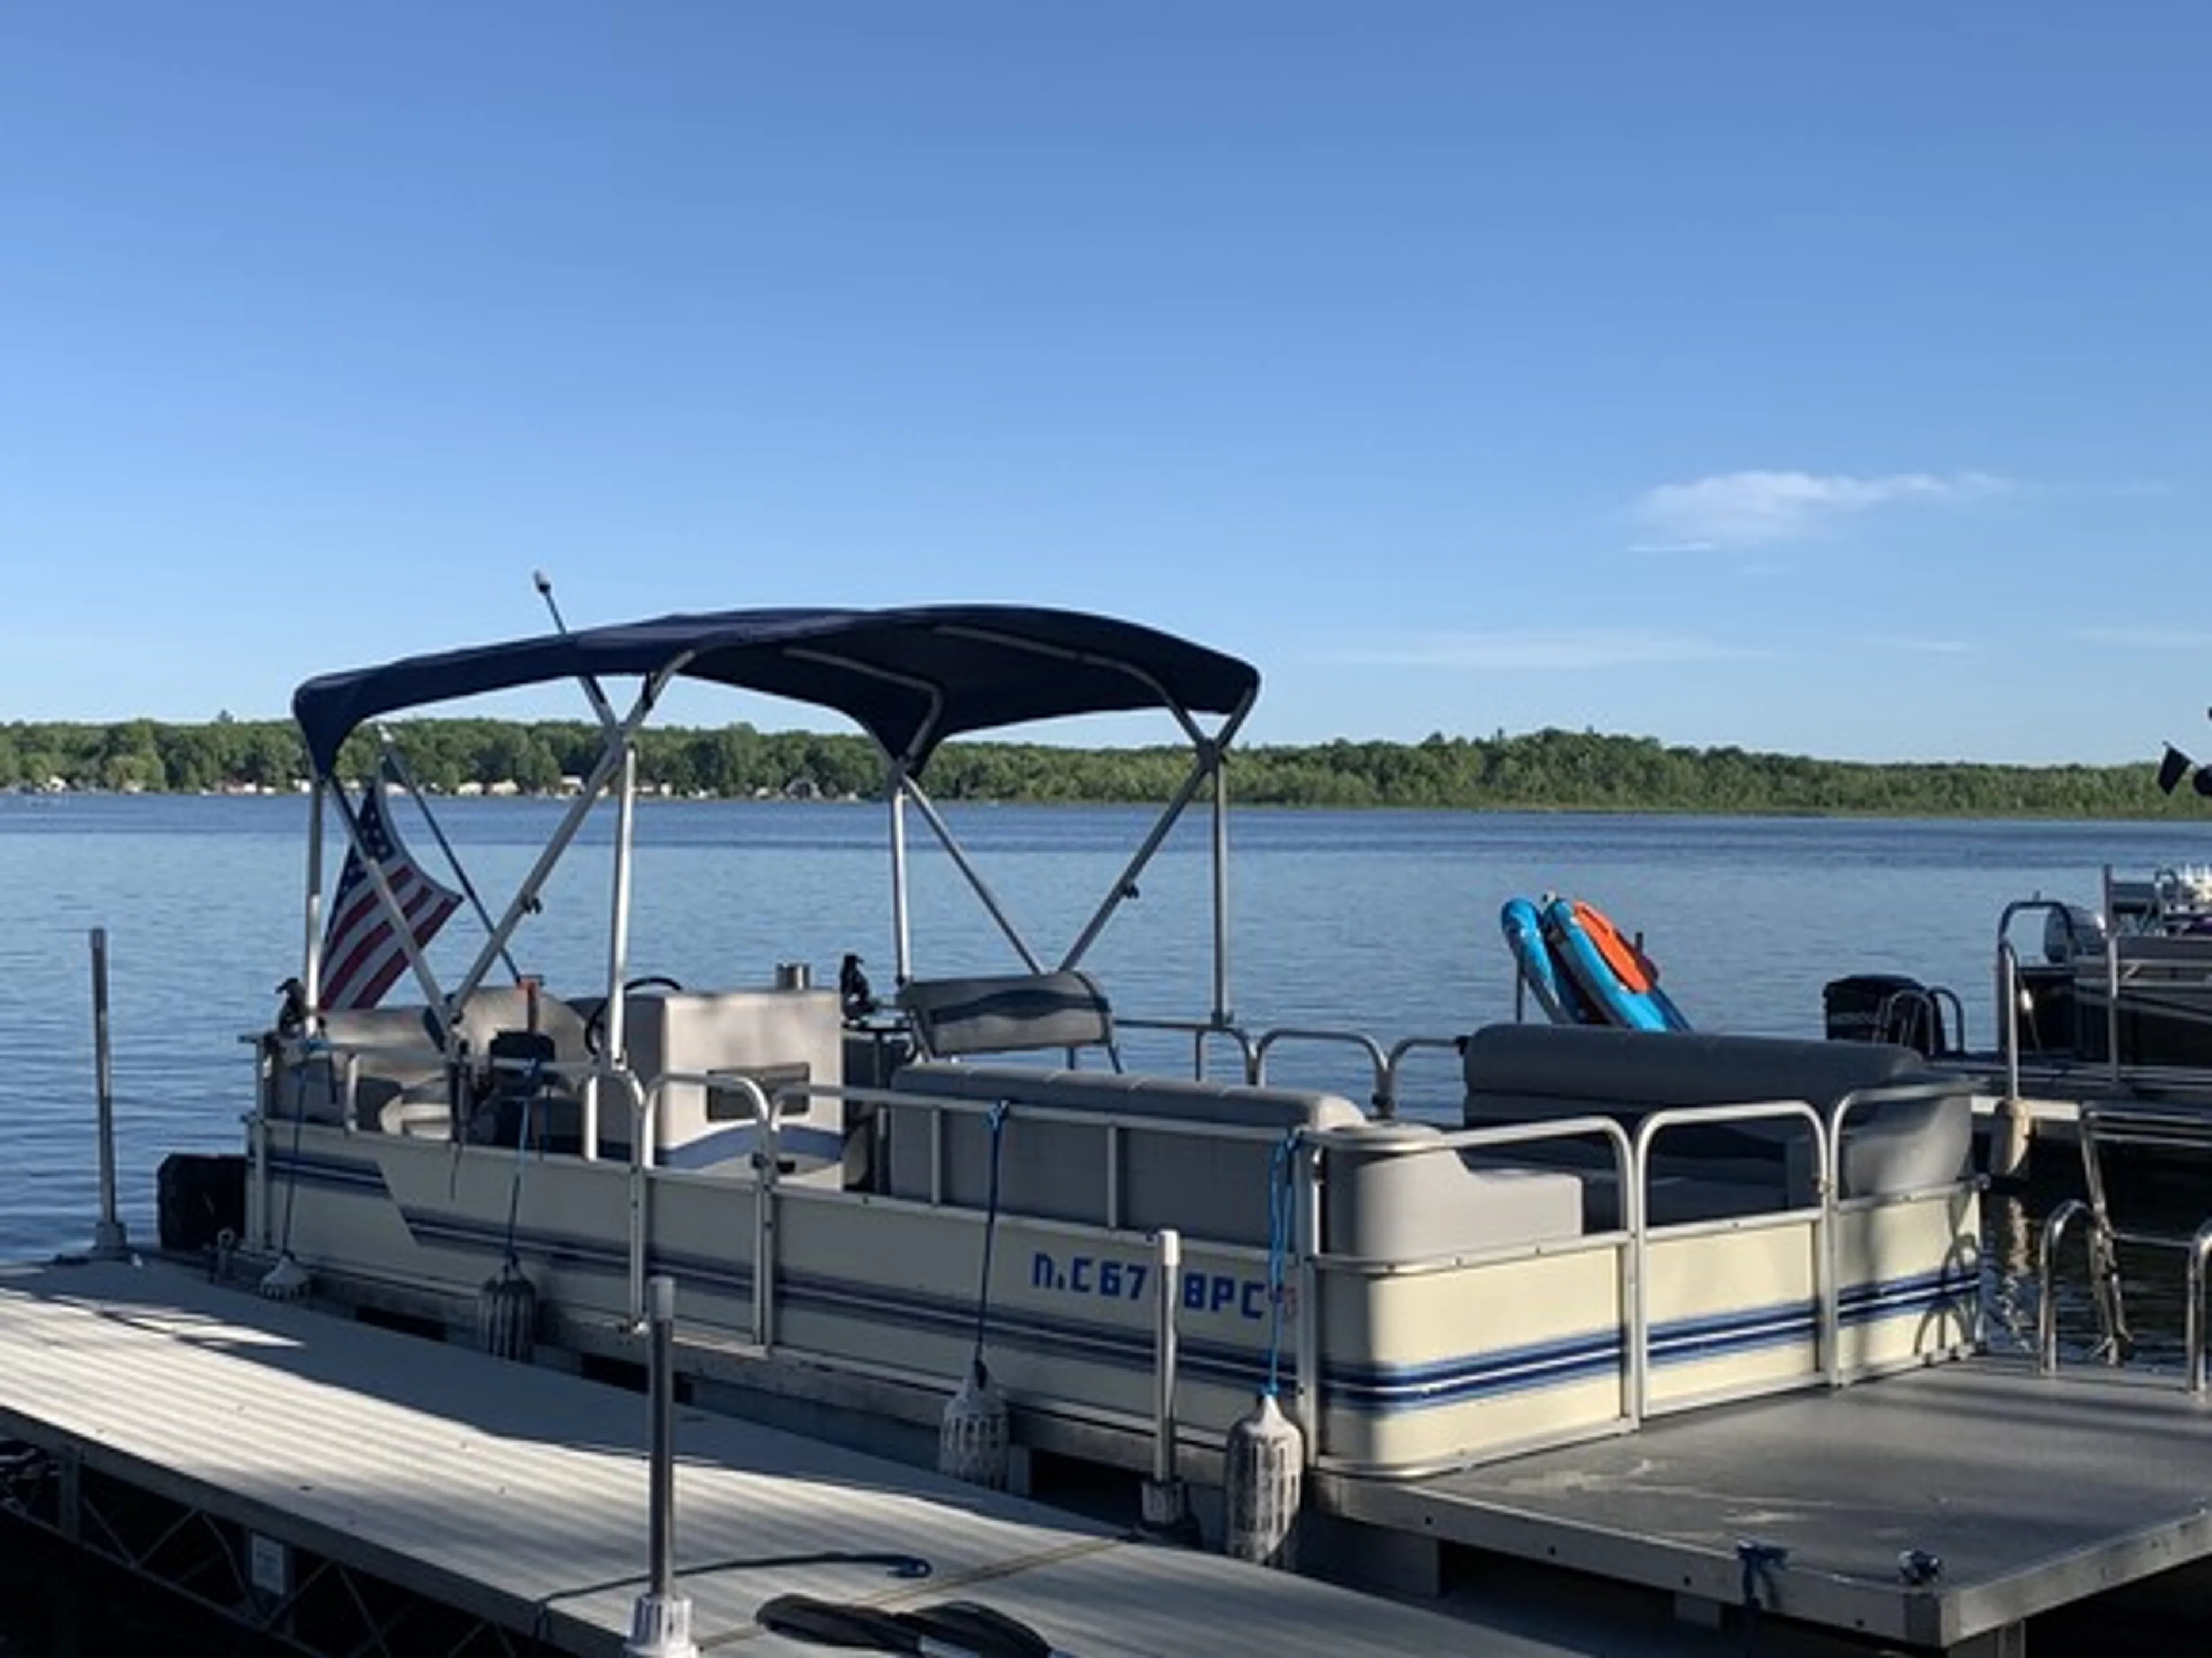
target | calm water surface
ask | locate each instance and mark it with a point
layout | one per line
(1382, 922)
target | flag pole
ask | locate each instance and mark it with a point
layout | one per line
(398, 763)
(372, 869)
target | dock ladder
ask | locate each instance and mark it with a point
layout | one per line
(2135, 1127)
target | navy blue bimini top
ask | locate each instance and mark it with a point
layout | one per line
(910, 678)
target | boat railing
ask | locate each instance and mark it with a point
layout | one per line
(2192, 1344)
(1819, 1218)
(1894, 1020)
(1201, 1032)
(1623, 1254)
(1305, 1265)
(1404, 1049)
(2009, 1012)
(1313, 1263)
(1860, 1100)
(645, 1104)
(1113, 1124)
(2100, 1261)
(277, 1056)
(2009, 979)
(1386, 1065)
(1632, 1157)
(1379, 1061)
(2111, 979)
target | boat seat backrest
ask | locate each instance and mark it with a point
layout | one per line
(398, 1068)
(1008, 1013)
(1520, 1072)
(495, 1011)
(390, 1052)
(1207, 1186)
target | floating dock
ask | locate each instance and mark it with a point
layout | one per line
(344, 1487)
(347, 1488)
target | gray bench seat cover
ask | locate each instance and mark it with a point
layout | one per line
(1521, 1072)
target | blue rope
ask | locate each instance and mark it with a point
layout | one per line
(997, 1120)
(308, 1045)
(531, 1082)
(1281, 1211)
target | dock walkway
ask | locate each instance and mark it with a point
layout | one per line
(517, 1495)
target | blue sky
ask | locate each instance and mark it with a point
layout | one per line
(1828, 378)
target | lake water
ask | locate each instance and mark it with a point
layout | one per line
(1380, 922)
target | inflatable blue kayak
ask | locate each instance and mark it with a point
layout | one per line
(1546, 977)
(1610, 973)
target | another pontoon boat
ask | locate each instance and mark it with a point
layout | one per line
(2110, 1002)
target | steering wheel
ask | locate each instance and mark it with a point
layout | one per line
(595, 1028)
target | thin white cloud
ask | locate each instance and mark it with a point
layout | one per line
(2148, 639)
(1540, 649)
(1752, 508)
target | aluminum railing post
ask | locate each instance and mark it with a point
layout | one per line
(2200, 1246)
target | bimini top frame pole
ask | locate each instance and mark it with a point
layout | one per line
(901, 786)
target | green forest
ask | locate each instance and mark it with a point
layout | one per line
(1544, 770)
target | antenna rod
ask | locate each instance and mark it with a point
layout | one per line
(545, 583)
(599, 704)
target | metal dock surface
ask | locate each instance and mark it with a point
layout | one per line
(2033, 1492)
(517, 1495)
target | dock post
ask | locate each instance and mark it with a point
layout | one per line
(108, 1240)
(660, 1623)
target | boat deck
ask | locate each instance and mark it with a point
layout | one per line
(2033, 1492)
(517, 1494)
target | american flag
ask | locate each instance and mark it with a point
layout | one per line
(361, 949)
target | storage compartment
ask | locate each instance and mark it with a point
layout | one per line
(775, 1038)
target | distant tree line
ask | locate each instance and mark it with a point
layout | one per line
(1554, 770)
